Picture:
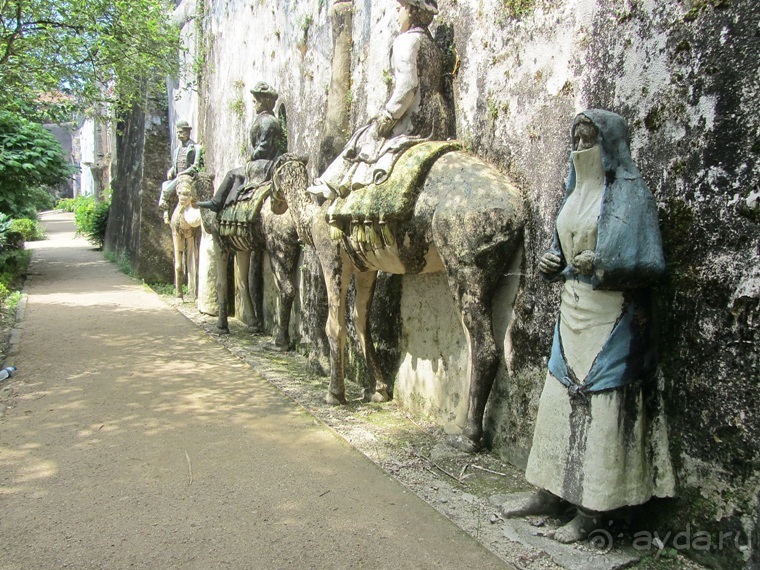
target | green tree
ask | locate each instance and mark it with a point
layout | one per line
(90, 50)
(30, 157)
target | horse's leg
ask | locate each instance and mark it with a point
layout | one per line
(242, 293)
(365, 290)
(473, 291)
(283, 268)
(337, 270)
(179, 248)
(191, 257)
(256, 290)
(222, 260)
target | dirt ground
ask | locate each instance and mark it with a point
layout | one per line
(132, 437)
(413, 451)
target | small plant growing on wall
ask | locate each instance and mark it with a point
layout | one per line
(518, 8)
(237, 105)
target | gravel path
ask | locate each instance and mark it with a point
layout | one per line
(132, 439)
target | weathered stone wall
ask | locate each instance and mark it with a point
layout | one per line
(136, 231)
(683, 74)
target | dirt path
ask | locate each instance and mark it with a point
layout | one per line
(134, 440)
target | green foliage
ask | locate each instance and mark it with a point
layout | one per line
(125, 266)
(282, 117)
(66, 205)
(80, 52)
(10, 238)
(30, 158)
(198, 66)
(91, 219)
(166, 289)
(13, 264)
(5, 227)
(30, 229)
(306, 24)
(72, 204)
(38, 199)
(518, 8)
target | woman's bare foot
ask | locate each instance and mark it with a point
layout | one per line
(530, 503)
(578, 528)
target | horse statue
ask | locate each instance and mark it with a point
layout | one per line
(245, 227)
(185, 224)
(450, 212)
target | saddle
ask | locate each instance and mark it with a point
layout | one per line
(236, 218)
(365, 214)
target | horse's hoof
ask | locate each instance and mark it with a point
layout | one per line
(253, 329)
(220, 330)
(333, 400)
(463, 443)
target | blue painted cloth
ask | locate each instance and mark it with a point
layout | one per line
(610, 368)
(628, 258)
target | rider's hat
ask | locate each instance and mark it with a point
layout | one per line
(264, 89)
(425, 5)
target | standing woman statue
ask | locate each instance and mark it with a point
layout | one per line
(187, 159)
(600, 441)
(414, 112)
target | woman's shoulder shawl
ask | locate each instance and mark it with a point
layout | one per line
(629, 244)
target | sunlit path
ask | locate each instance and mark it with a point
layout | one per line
(135, 441)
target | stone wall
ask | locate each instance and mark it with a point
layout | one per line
(683, 74)
(136, 232)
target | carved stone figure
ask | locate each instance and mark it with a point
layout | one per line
(187, 159)
(414, 112)
(458, 215)
(266, 139)
(246, 229)
(185, 225)
(600, 440)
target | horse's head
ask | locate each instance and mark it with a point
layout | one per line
(289, 175)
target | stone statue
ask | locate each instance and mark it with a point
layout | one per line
(600, 440)
(266, 139)
(414, 112)
(185, 224)
(245, 226)
(187, 159)
(465, 218)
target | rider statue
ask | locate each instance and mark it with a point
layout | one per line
(415, 111)
(187, 159)
(266, 140)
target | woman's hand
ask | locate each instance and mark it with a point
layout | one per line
(584, 262)
(549, 263)
(385, 124)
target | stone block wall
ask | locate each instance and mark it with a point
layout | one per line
(684, 75)
(136, 231)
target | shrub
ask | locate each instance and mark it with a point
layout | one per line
(5, 227)
(13, 264)
(70, 204)
(31, 159)
(91, 219)
(30, 229)
(36, 199)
